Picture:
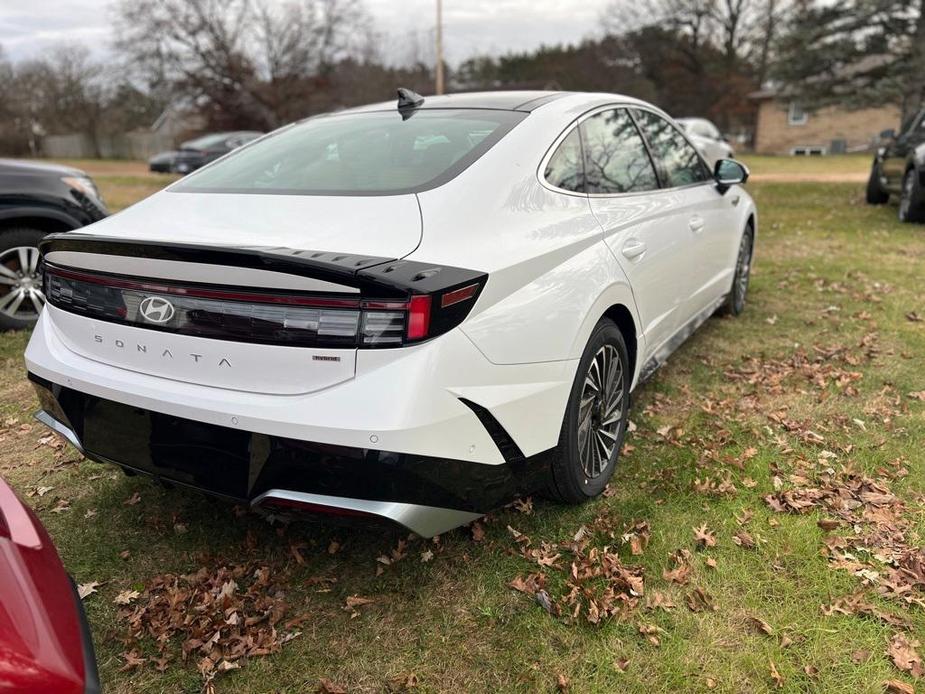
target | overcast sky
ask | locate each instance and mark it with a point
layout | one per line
(470, 26)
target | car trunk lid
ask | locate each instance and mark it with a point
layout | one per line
(266, 308)
(387, 226)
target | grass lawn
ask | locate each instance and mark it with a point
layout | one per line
(802, 402)
(834, 165)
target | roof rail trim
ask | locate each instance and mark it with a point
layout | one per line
(536, 102)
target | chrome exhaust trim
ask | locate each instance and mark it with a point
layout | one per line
(425, 521)
(45, 418)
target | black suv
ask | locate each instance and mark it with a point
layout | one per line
(36, 199)
(899, 169)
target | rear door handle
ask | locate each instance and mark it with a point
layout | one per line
(634, 248)
(696, 224)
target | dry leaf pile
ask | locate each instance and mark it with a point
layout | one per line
(598, 585)
(217, 618)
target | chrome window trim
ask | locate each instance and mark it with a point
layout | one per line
(541, 169)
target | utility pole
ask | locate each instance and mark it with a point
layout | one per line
(439, 38)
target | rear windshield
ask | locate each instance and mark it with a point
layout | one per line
(373, 153)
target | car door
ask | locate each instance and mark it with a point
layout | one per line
(703, 216)
(639, 221)
(893, 167)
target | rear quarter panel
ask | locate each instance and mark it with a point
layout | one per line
(551, 277)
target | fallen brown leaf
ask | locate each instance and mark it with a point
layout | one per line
(699, 600)
(775, 675)
(703, 537)
(86, 589)
(132, 661)
(478, 532)
(902, 652)
(126, 597)
(326, 686)
(762, 626)
(743, 539)
(353, 602)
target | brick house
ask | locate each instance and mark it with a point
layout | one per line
(784, 127)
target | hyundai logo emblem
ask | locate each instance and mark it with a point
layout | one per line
(156, 309)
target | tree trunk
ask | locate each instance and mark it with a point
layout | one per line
(764, 55)
(916, 87)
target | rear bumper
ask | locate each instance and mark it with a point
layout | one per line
(425, 494)
(408, 400)
(429, 436)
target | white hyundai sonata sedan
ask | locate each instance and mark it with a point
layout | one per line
(410, 311)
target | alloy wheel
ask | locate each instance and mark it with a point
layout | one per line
(743, 269)
(600, 412)
(21, 295)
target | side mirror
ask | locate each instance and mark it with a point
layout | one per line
(728, 173)
(887, 134)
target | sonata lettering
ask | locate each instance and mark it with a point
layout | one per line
(223, 362)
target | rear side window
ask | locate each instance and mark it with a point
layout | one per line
(372, 153)
(680, 160)
(616, 160)
(565, 169)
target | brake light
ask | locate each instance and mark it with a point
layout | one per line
(418, 317)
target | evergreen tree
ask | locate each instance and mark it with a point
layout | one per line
(856, 53)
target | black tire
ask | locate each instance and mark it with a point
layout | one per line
(10, 238)
(912, 199)
(735, 300)
(875, 194)
(570, 481)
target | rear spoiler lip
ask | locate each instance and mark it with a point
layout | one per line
(332, 267)
(374, 276)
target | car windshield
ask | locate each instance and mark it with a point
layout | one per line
(698, 126)
(205, 142)
(370, 153)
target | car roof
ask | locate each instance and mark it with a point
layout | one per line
(519, 100)
(37, 168)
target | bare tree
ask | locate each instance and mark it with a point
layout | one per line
(743, 30)
(244, 63)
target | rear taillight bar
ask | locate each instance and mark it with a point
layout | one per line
(269, 317)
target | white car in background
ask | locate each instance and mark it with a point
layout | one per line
(410, 312)
(707, 138)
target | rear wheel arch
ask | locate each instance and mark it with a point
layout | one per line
(874, 193)
(623, 317)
